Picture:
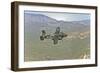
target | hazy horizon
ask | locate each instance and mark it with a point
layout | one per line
(62, 16)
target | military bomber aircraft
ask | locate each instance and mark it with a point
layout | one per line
(58, 35)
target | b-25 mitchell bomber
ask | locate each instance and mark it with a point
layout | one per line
(58, 35)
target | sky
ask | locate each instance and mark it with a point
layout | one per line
(65, 16)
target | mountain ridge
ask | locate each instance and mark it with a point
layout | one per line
(37, 21)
